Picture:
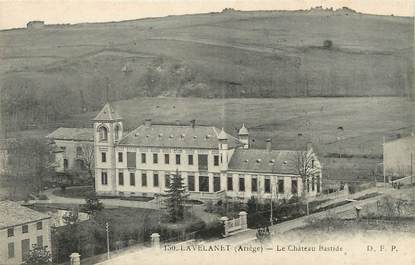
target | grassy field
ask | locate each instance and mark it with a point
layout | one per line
(229, 54)
(365, 122)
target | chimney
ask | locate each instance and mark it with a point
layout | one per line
(193, 123)
(177, 122)
(147, 123)
(268, 144)
(309, 146)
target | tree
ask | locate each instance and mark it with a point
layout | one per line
(328, 44)
(30, 162)
(38, 255)
(305, 164)
(93, 204)
(86, 155)
(175, 196)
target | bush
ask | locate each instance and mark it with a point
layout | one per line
(211, 230)
(328, 44)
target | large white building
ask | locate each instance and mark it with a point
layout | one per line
(213, 163)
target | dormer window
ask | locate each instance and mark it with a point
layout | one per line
(258, 161)
(103, 134)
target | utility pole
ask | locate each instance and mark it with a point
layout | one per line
(270, 217)
(384, 174)
(108, 240)
(412, 155)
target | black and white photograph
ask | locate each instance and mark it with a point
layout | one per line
(207, 132)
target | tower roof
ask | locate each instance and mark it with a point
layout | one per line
(107, 114)
(222, 135)
(243, 130)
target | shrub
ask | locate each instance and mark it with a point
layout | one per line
(328, 44)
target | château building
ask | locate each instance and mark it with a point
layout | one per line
(212, 163)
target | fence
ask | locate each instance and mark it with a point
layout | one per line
(237, 224)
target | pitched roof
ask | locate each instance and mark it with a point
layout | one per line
(107, 113)
(78, 134)
(180, 136)
(261, 160)
(13, 214)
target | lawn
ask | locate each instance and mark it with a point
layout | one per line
(73, 192)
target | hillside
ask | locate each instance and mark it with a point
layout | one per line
(48, 73)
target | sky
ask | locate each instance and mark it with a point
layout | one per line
(16, 13)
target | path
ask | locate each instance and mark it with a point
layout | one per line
(197, 210)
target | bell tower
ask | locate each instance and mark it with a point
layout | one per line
(244, 136)
(108, 131)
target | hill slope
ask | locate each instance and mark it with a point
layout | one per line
(229, 54)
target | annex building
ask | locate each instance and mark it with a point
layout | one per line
(212, 163)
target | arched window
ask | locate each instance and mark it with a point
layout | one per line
(117, 132)
(103, 133)
(79, 151)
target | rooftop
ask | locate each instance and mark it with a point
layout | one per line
(77, 134)
(12, 214)
(107, 113)
(180, 136)
(264, 161)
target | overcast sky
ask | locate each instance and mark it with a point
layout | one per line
(16, 13)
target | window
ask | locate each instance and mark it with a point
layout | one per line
(280, 186)
(11, 250)
(216, 160)
(25, 229)
(294, 186)
(120, 158)
(241, 183)
(144, 179)
(267, 185)
(202, 161)
(155, 158)
(39, 225)
(191, 183)
(131, 160)
(155, 179)
(103, 157)
(79, 151)
(177, 159)
(204, 183)
(318, 184)
(254, 184)
(312, 183)
(312, 163)
(143, 158)
(117, 132)
(104, 178)
(10, 232)
(190, 158)
(166, 159)
(132, 179)
(25, 248)
(103, 134)
(120, 178)
(167, 180)
(40, 241)
(229, 183)
(216, 183)
(65, 163)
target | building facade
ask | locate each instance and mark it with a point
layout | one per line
(399, 157)
(74, 148)
(212, 163)
(20, 228)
